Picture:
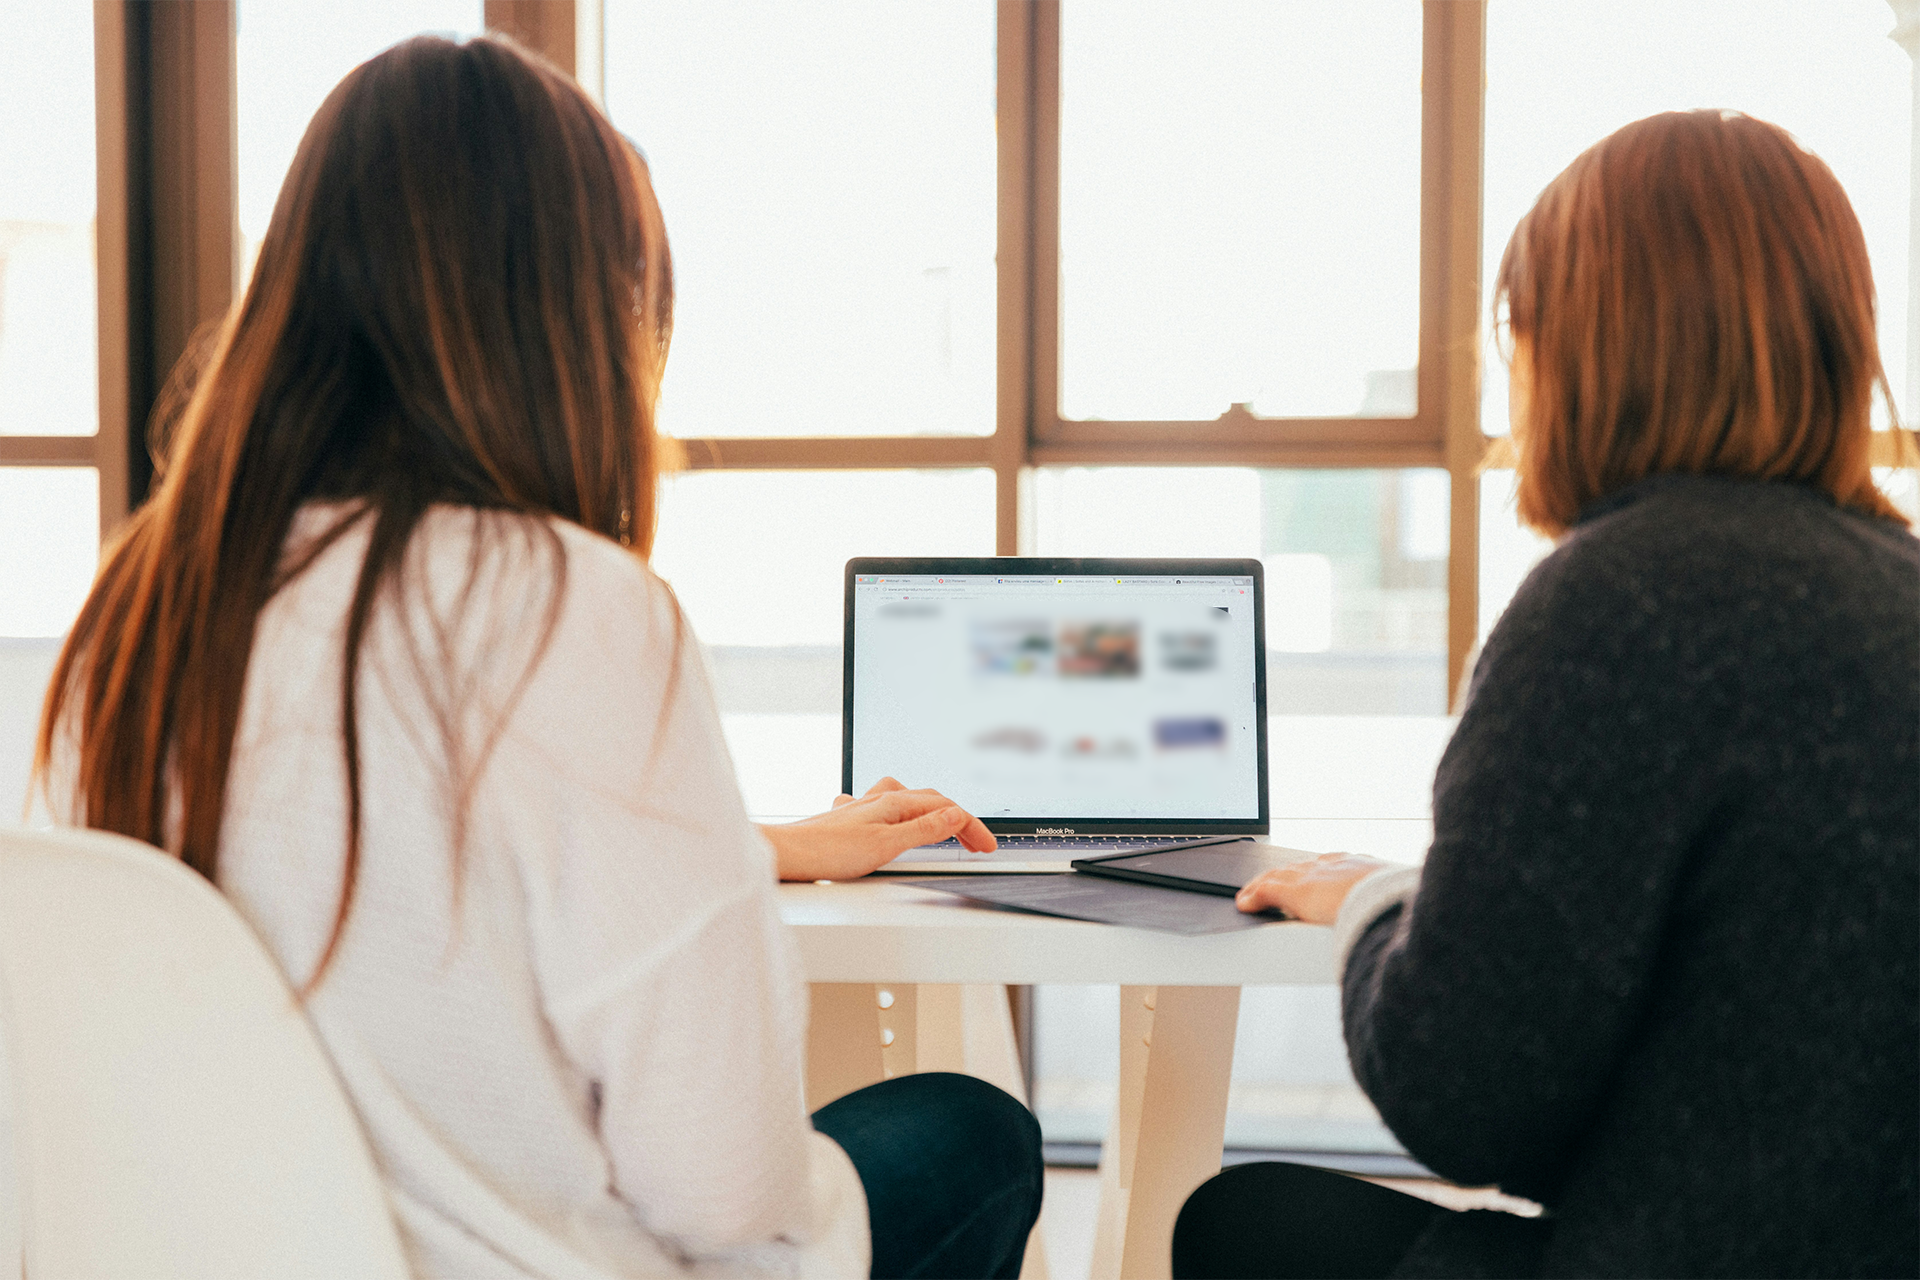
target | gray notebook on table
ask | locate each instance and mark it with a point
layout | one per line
(1187, 890)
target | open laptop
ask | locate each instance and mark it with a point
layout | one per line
(1077, 707)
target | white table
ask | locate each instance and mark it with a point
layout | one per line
(912, 980)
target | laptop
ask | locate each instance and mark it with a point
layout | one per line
(1078, 707)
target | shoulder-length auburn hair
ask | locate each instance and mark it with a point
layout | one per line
(464, 297)
(1692, 294)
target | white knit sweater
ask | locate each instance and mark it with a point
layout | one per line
(579, 1055)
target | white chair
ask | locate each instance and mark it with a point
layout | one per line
(172, 1113)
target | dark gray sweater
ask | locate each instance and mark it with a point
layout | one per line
(1662, 973)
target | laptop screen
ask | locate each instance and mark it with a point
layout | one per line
(1049, 689)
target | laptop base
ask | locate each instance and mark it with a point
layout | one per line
(1031, 855)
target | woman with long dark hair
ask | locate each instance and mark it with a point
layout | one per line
(1660, 971)
(382, 658)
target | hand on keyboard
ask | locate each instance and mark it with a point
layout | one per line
(856, 836)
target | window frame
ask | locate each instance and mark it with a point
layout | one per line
(1029, 430)
(1293, 440)
(165, 226)
(167, 254)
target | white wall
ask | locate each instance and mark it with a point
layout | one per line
(25, 666)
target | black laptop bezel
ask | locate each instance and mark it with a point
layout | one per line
(1063, 567)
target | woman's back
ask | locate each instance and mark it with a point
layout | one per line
(576, 1054)
(459, 763)
(1672, 991)
(1661, 968)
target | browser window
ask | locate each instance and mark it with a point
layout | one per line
(1052, 696)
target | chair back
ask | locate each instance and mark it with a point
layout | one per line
(172, 1113)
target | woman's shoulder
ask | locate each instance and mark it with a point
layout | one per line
(577, 648)
(525, 543)
(609, 589)
(513, 568)
(1716, 521)
(1702, 570)
(1686, 539)
(518, 609)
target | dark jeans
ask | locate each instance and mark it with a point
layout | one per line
(952, 1170)
(1280, 1220)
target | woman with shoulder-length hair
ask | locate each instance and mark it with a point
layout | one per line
(1658, 972)
(382, 658)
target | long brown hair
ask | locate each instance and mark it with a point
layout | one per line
(464, 297)
(1692, 294)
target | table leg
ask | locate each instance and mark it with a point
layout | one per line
(844, 1049)
(861, 1033)
(1169, 1119)
(940, 1028)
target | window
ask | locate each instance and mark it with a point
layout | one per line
(48, 365)
(288, 58)
(49, 346)
(827, 176)
(49, 542)
(1219, 166)
(1560, 79)
(1355, 566)
(756, 558)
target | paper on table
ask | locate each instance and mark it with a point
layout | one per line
(1080, 897)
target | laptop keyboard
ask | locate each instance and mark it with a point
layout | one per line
(1079, 845)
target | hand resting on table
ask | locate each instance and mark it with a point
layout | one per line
(1311, 890)
(856, 836)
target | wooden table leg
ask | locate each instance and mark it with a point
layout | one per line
(844, 1050)
(861, 1033)
(1168, 1123)
(989, 1052)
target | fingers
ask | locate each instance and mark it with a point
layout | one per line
(879, 788)
(975, 836)
(897, 806)
(933, 827)
(1311, 890)
(1267, 891)
(894, 803)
